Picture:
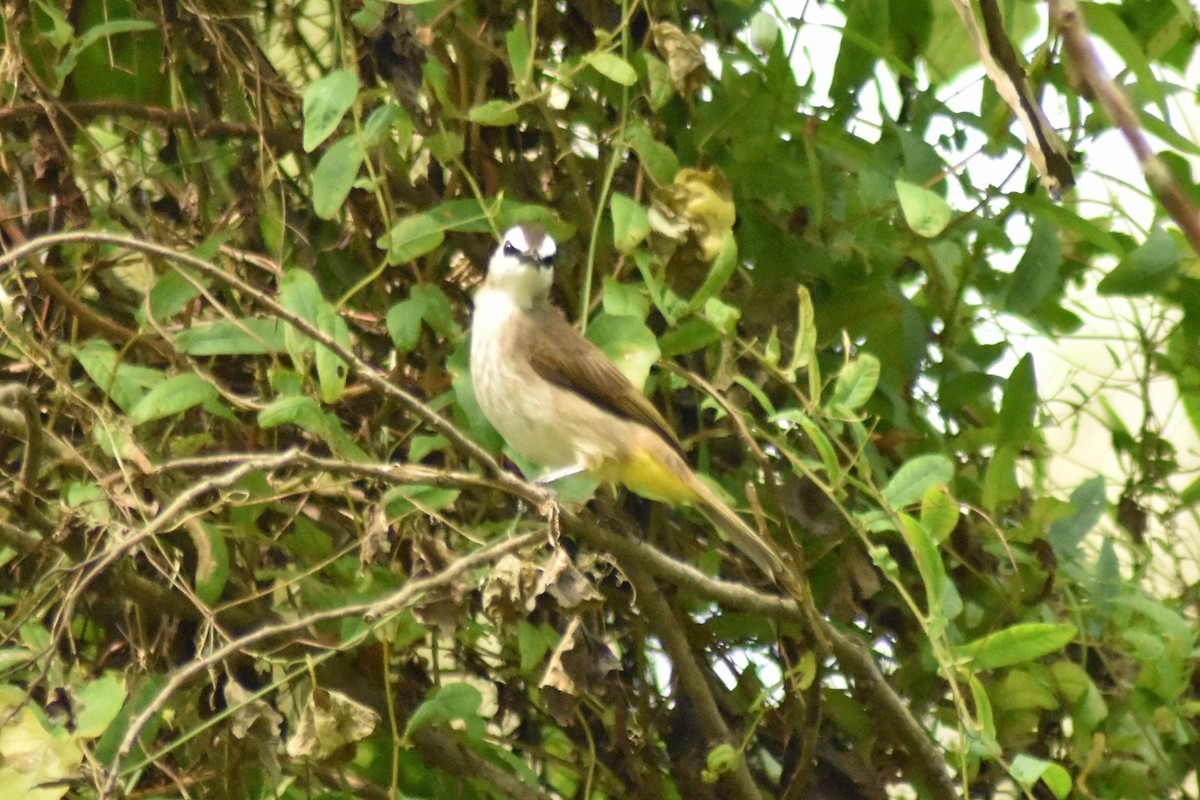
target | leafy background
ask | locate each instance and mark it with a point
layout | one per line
(259, 542)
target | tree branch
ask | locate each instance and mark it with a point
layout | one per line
(402, 597)
(194, 123)
(1043, 145)
(1116, 106)
(365, 371)
(662, 620)
(928, 761)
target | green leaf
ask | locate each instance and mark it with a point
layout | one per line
(533, 643)
(425, 303)
(1041, 207)
(1037, 273)
(1019, 406)
(496, 113)
(212, 562)
(173, 396)
(445, 146)
(448, 702)
(1090, 503)
(661, 88)
(721, 759)
(694, 334)
(624, 299)
(420, 446)
(300, 410)
(764, 31)
(299, 294)
(335, 175)
(326, 101)
(248, 336)
(517, 43)
(94, 34)
(437, 311)
(141, 695)
(404, 324)
(658, 159)
(1027, 770)
(915, 476)
(1000, 480)
(1017, 644)
(926, 212)
(631, 224)
(718, 274)
(416, 235)
(804, 346)
(983, 713)
(124, 384)
(628, 343)
(1146, 270)
(383, 118)
(305, 413)
(59, 32)
(948, 52)
(400, 501)
(941, 596)
(1106, 23)
(855, 383)
(171, 293)
(97, 704)
(612, 67)
(724, 315)
(939, 512)
(863, 38)
(331, 370)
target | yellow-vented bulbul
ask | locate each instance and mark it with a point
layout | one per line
(559, 402)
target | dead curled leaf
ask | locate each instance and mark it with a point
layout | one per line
(444, 608)
(577, 663)
(563, 581)
(685, 62)
(694, 210)
(513, 588)
(507, 592)
(328, 721)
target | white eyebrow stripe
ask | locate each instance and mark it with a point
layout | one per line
(516, 237)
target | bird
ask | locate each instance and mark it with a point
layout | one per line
(560, 403)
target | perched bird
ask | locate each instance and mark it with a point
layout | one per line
(559, 402)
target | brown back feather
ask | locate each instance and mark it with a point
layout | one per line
(561, 355)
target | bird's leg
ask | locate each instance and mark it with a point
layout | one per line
(560, 473)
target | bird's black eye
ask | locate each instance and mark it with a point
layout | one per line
(510, 249)
(547, 261)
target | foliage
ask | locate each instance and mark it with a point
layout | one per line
(254, 537)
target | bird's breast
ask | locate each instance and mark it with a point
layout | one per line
(525, 408)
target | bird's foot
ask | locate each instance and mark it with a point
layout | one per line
(553, 475)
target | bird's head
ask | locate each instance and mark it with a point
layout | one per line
(523, 263)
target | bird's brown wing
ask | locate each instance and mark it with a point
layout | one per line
(561, 355)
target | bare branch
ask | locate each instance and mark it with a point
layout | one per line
(1069, 19)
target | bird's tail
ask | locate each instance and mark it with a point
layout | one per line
(744, 538)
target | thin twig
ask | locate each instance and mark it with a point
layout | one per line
(662, 620)
(928, 762)
(368, 373)
(1043, 145)
(194, 123)
(34, 450)
(92, 568)
(402, 597)
(1115, 104)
